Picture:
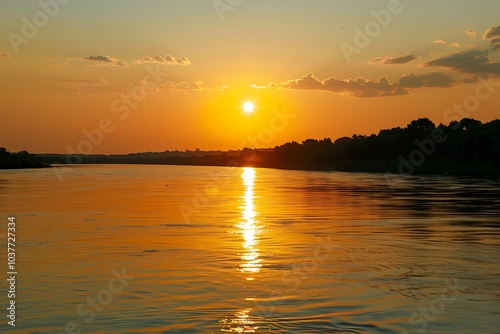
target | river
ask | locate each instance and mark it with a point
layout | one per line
(187, 249)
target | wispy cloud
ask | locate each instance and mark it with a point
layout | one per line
(443, 42)
(470, 32)
(80, 82)
(182, 87)
(189, 86)
(493, 35)
(106, 60)
(85, 86)
(167, 60)
(394, 60)
(254, 86)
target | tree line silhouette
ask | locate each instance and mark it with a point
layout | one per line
(461, 145)
(21, 159)
(466, 147)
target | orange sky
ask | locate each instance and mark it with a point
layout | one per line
(128, 76)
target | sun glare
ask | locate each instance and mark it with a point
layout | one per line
(248, 107)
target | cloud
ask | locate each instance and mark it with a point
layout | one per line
(394, 60)
(364, 88)
(453, 44)
(105, 60)
(254, 86)
(493, 35)
(470, 32)
(4, 55)
(495, 42)
(81, 82)
(99, 58)
(469, 62)
(186, 87)
(167, 60)
(492, 32)
(434, 79)
(88, 86)
(358, 87)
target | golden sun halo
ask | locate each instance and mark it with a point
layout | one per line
(248, 107)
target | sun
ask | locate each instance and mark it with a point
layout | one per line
(248, 107)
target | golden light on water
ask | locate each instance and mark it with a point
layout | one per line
(249, 228)
(241, 323)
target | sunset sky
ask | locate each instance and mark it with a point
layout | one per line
(192, 65)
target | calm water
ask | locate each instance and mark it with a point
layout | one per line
(247, 250)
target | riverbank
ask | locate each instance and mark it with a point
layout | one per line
(466, 148)
(20, 160)
(441, 166)
(436, 167)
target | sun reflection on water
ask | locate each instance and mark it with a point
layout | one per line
(249, 226)
(241, 323)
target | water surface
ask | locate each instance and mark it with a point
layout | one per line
(246, 250)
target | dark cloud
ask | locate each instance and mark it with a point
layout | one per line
(434, 79)
(495, 42)
(492, 32)
(364, 88)
(99, 58)
(107, 60)
(358, 87)
(493, 35)
(394, 60)
(4, 55)
(167, 60)
(469, 61)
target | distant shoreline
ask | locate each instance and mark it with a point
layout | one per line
(31, 167)
(20, 160)
(465, 148)
(435, 168)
